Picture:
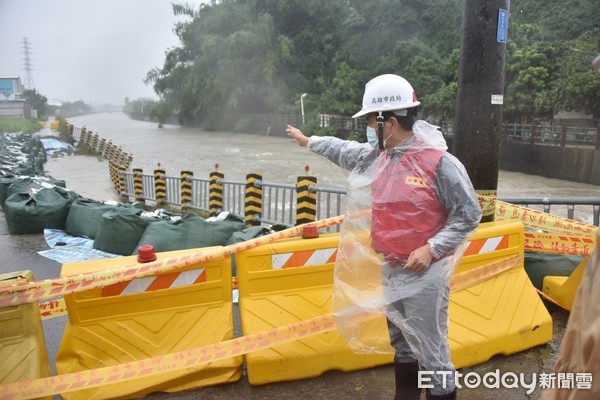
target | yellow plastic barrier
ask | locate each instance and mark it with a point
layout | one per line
(502, 314)
(149, 317)
(22, 345)
(562, 289)
(54, 125)
(283, 283)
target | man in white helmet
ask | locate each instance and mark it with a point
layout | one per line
(422, 208)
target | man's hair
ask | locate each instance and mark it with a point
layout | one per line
(406, 122)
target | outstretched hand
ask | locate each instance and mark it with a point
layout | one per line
(297, 136)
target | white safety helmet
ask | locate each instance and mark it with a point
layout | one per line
(388, 93)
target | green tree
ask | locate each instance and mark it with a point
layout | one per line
(37, 102)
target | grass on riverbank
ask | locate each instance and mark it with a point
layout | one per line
(9, 125)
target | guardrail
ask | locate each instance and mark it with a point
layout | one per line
(279, 202)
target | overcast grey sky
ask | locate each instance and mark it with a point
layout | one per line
(95, 51)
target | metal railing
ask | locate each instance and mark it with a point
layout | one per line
(279, 200)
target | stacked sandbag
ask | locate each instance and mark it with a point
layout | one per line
(85, 216)
(189, 232)
(33, 210)
(22, 154)
(122, 227)
(10, 184)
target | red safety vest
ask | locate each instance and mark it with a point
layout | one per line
(406, 210)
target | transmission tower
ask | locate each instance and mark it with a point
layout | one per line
(27, 65)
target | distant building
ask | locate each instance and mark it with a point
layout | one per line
(12, 103)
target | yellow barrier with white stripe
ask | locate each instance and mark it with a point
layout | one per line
(287, 282)
(502, 314)
(147, 317)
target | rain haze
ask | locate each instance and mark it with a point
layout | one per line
(97, 52)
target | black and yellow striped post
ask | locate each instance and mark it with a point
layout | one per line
(110, 150)
(306, 200)
(138, 185)
(102, 147)
(111, 172)
(122, 190)
(88, 138)
(253, 200)
(71, 129)
(215, 192)
(186, 189)
(160, 186)
(82, 135)
(119, 155)
(128, 160)
(95, 142)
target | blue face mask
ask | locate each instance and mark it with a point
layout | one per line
(372, 137)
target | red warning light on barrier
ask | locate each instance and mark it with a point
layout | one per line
(310, 232)
(216, 166)
(306, 168)
(146, 253)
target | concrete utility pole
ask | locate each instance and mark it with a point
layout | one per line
(480, 96)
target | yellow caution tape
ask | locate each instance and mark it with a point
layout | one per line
(487, 201)
(52, 308)
(550, 299)
(187, 359)
(469, 278)
(215, 352)
(560, 244)
(27, 292)
(540, 220)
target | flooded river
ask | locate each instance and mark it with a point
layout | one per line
(177, 148)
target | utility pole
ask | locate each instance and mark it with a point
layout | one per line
(480, 96)
(27, 65)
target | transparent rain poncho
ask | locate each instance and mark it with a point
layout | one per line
(393, 208)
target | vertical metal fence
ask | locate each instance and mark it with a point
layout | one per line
(279, 200)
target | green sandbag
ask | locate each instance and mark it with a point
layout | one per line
(243, 235)
(5, 182)
(85, 215)
(247, 234)
(36, 210)
(10, 184)
(540, 265)
(121, 228)
(189, 232)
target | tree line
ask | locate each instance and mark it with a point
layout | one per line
(260, 56)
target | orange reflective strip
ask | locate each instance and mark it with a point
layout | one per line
(159, 282)
(298, 259)
(162, 282)
(114, 290)
(474, 246)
